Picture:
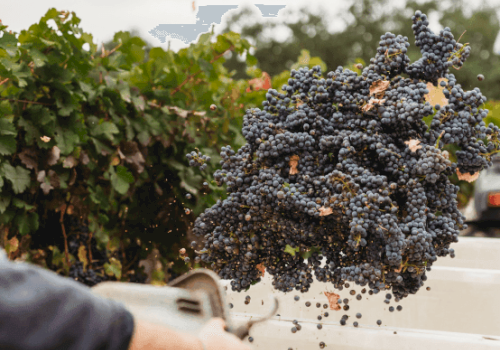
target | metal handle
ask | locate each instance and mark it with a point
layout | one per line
(242, 331)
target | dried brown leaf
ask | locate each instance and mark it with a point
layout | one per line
(29, 157)
(294, 161)
(371, 104)
(261, 268)
(325, 211)
(379, 87)
(54, 179)
(46, 187)
(467, 176)
(435, 95)
(70, 162)
(40, 176)
(84, 158)
(130, 151)
(413, 145)
(53, 155)
(73, 178)
(333, 300)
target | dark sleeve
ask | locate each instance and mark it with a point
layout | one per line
(40, 310)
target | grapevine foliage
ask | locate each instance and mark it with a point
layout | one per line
(345, 169)
(92, 143)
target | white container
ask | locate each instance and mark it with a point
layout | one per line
(276, 335)
(474, 253)
(460, 300)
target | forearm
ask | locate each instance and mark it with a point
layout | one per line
(41, 310)
(148, 336)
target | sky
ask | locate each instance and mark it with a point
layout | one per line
(103, 18)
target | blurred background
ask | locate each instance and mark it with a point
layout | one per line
(144, 244)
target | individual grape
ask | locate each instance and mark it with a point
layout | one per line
(326, 314)
(294, 329)
(308, 303)
(359, 297)
(319, 318)
(319, 326)
(188, 196)
(480, 77)
(391, 308)
(379, 322)
(295, 321)
(322, 345)
(355, 323)
(358, 315)
(213, 107)
(428, 288)
(399, 308)
(296, 298)
(182, 251)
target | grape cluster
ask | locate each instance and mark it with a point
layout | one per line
(198, 159)
(345, 170)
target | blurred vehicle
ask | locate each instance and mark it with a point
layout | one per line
(483, 212)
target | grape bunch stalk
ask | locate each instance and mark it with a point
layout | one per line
(346, 170)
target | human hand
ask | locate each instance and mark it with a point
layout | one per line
(215, 337)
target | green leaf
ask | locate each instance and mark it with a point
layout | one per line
(4, 202)
(8, 145)
(22, 224)
(121, 179)
(33, 221)
(107, 129)
(38, 58)
(7, 128)
(66, 140)
(251, 60)
(103, 218)
(113, 269)
(19, 203)
(291, 250)
(18, 176)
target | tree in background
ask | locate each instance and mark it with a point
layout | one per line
(359, 39)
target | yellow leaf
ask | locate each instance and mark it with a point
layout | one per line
(82, 256)
(115, 161)
(12, 245)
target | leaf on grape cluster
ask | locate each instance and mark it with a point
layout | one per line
(371, 104)
(413, 145)
(467, 176)
(435, 95)
(294, 161)
(325, 211)
(333, 300)
(261, 268)
(378, 87)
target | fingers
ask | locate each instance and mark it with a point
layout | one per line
(218, 323)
